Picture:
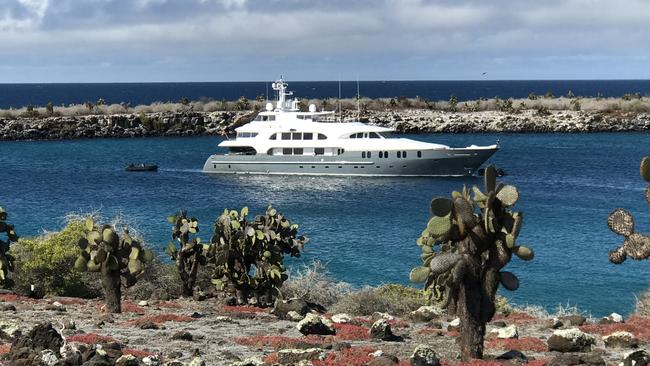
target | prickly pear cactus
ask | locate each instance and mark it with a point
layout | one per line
(468, 241)
(120, 260)
(190, 253)
(635, 245)
(249, 254)
(6, 259)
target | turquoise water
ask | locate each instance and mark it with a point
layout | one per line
(363, 228)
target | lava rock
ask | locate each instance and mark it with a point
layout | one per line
(513, 355)
(573, 320)
(183, 336)
(292, 356)
(424, 356)
(509, 332)
(612, 319)
(381, 330)
(621, 340)
(636, 358)
(315, 324)
(342, 318)
(570, 340)
(426, 313)
(384, 360)
(283, 307)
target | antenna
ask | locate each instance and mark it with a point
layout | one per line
(267, 90)
(358, 101)
(340, 110)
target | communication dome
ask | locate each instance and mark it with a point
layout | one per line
(312, 108)
(269, 106)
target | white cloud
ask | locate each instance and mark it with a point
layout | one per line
(185, 31)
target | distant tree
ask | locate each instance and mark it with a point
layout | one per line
(100, 102)
(242, 104)
(570, 94)
(453, 103)
(549, 95)
(49, 108)
(185, 101)
(532, 96)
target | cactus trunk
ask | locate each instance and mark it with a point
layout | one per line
(471, 298)
(112, 291)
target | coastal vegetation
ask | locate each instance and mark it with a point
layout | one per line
(6, 259)
(190, 253)
(635, 103)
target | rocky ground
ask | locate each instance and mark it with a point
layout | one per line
(190, 332)
(402, 120)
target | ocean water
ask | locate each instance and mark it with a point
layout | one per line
(364, 229)
(19, 95)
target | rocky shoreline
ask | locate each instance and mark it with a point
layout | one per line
(403, 121)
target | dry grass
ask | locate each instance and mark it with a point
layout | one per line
(314, 284)
(642, 307)
(628, 103)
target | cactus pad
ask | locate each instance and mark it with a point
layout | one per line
(490, 179)
(637, 246)
(419, 274)
(439, 225)
(509, 280)
(621, 222)
(508, 195)
(645, 168)
(441, 206)
(617, 256)
(524, 253)
(444, 262)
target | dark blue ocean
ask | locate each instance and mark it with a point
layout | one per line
(363, 228)
(19, 95)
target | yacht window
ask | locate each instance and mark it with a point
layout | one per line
(296, 136)
(365, 135)
(363, 154)
(286, 135)
(322, 137)
(399, 154)
(297, 151)
(286, 151)
(307, 136)
(270, 152)
(374, 135)
(253, 134)
(385, 154)
(369, 154)
(404, 154)
(353, 136)
(419, 154)
(273, 137)
(381, 154)
(319, 151)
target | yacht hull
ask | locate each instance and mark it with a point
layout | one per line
(443, 162)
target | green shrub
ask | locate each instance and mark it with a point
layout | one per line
(392, 299)
(47, 262)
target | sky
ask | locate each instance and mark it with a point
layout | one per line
(44, 41)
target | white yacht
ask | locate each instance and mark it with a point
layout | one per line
(284, 140)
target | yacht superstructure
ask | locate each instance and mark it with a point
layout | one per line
(284, 140)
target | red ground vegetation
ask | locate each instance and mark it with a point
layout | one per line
(243, 309)
(135, 352)
(521, 344)
(355, 356)
(271, 358)
(131, 307)
(279, 342)
(637, 325)
(453, 333)
(160, 318)
(69, 300)
(518, 318)
(4, 348)
(350, 332)
(90, 338)
(431, 331)
(15, 298)
(169, 305)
